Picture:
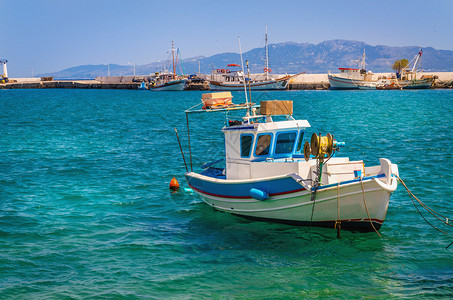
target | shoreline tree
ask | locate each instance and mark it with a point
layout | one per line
(399, 65)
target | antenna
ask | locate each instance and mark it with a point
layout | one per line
(243, 76)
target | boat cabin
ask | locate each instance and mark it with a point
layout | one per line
(360, 74)
(268, 142)
(272, 135)
(233, 75)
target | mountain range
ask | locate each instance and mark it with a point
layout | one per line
(287, 57)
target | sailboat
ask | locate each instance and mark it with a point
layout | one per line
(232, 78)
(168, 81)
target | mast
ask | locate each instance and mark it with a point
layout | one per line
(173, 56)
(243, 76)
(363, 60)
(266, 67)
(418, 56)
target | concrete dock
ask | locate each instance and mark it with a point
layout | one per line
(300, 82)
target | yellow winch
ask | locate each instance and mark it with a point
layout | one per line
(321, 146)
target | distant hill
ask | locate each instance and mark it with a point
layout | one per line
(285, 58)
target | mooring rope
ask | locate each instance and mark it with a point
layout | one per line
(366, 208)
(437, 215)
(338, 222)
(428, 209)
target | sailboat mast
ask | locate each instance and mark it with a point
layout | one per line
(173, 56)
(266, 68)
(363, 60)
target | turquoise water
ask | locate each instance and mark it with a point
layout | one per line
(85, 209)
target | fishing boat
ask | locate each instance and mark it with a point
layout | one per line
(168, 81)
(362, 79)
(351, 78)
(270, 174)
(232, 77)
(408, 77)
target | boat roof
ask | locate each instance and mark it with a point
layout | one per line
(227, 108)
(268, 126)
(350, 69)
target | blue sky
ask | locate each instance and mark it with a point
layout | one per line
(51, 35)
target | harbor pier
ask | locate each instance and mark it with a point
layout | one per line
(299, 82)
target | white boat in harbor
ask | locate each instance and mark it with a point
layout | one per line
(352, 79)
(232, 78)
(168, 81)
(270, 174)
(362, 79)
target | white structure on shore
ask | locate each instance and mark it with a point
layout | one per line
(5, 70)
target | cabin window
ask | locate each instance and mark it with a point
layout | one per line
(263, 144)
(299, 142)
(285, 142)
(246, 145)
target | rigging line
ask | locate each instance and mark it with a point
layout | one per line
(180, 62)
(194, 106)
(366, 207)
(430, 210)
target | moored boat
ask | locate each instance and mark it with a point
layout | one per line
(408, 77)
(351, 78)
(165, 82)
(270, 174)
(361, 79)
(232, 78)
(168, 81)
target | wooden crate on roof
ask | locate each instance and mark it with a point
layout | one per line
(276, 107)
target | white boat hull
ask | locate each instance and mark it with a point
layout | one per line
(265, 85)
(341, 83)
(175, 85)
(345, 202)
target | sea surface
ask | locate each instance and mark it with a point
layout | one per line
(85, 209)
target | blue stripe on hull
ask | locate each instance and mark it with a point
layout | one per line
(242, 190)
(273, 187)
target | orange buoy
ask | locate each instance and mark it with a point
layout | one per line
(174, 184)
